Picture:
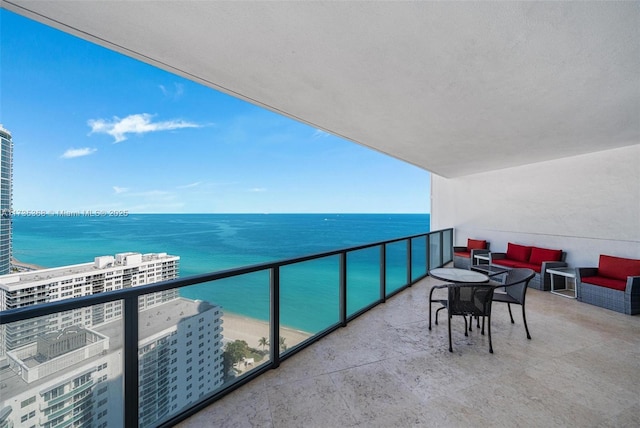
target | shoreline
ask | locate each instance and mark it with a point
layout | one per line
(241, 327)
(21, 266)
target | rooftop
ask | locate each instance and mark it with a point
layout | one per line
(100, 264)
(581, 368)
(152, 321)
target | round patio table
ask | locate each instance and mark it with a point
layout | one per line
(451, 275)
(458, 275)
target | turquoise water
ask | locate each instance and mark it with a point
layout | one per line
(211, 242)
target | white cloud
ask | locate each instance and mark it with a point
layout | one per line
(135, 124)
(77, 153)
(187, 186)
(175, 93)
(258, 189)
(119, 190)
(320, 134)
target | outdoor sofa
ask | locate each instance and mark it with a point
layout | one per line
(614, 284)
(463, 256)
(536, 258)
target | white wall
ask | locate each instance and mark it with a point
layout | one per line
(585, 205)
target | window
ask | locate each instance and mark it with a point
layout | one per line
(55, 392)
(28, 401)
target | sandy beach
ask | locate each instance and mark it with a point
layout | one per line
(20, 266)
(238, 327)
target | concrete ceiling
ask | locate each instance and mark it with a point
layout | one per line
(453, 87)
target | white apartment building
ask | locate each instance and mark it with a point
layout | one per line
(106, 273)
(180, 358)
(73, 377)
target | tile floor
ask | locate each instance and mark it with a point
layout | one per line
(386, 369)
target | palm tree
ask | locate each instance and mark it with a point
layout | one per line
(283, 346)
(263, 342)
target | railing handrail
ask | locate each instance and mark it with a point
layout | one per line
(130, 311)
(43, 309)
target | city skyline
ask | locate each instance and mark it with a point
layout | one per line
(94, 130)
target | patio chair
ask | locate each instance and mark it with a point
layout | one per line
(515, 291)
(463, 257)
(468, 299)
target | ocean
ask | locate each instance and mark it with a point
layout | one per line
(212, 242)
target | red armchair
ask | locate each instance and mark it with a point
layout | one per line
(463, 256)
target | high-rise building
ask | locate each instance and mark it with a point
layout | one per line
(73, 377)
(66, 369)
(106, 273)
(6, 199)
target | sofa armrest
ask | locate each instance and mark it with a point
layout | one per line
(459, 249)
(585, 271)
(497, 256)
(633, 285)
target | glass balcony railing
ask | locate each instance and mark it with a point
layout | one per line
(151, 355)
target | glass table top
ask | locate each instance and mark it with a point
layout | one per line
(458, 275)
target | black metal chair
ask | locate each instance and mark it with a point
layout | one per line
(468, 299)
(515, 291)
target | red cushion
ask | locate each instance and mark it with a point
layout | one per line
(517, 252)
(506, 262)
(616, 284)
(476, 244)
(466, 254)
(539, 255)
(618, 267)
(516, 264)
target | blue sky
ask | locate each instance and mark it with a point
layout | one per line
(95, 130)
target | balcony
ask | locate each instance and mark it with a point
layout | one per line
(370, 365)
(581, 368)
(338, 285)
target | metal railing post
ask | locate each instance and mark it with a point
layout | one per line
(274, 323)
(130, 352)
(409, 260)
(428, 252)
(383, 273)
(343, 289)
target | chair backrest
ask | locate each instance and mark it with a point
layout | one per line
(470, 298)
(517, 281)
